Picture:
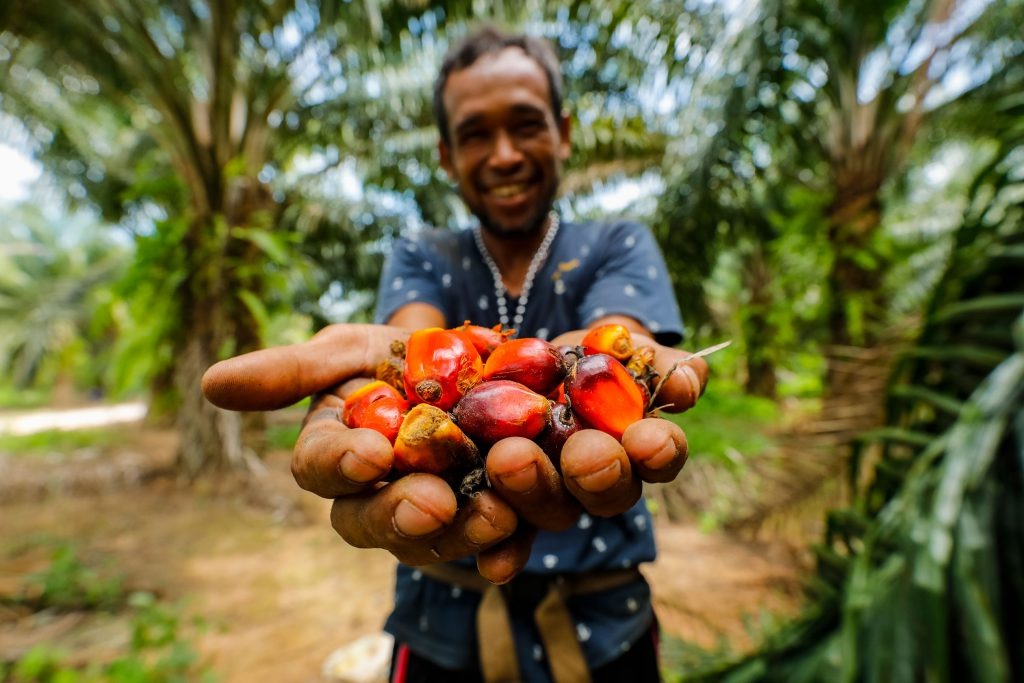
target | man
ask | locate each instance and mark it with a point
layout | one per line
(565, 545)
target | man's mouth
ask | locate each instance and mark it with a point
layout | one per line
(510, 190)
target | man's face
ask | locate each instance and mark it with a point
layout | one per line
(506, 145)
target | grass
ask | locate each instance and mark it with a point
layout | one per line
(726, 425)
(58, 441)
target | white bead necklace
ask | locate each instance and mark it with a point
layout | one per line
(531, 272)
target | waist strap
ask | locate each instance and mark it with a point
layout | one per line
(495, 641)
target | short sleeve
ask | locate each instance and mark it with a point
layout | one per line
(410, 275)
(632, 280)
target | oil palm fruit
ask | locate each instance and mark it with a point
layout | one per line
(492, 411)
(604, 395)
(440, 367)
(532, 362)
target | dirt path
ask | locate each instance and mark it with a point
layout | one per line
(278, 590)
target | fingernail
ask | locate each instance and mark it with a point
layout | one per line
(521, 481)
(409, 520)
(356, 469)
(601, 480)
(479, 531)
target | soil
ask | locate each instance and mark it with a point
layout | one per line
(277, 590)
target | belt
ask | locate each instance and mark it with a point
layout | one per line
(495, 642)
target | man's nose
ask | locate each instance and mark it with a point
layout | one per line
(505, 152)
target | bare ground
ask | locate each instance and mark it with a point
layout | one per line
(277, 589)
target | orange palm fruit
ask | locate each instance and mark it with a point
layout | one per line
(429, 441)
(384, 415)
(492, 411)
(612, 339)
(532, 362)
(483, 339)
(561, 426)
(604, 395)
(440, 366)
(365, 395)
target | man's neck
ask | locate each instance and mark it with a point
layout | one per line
(512, 254)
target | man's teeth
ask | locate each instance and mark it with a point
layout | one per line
(508, 190)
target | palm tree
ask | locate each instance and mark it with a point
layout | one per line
(187, 110)
(920, 577)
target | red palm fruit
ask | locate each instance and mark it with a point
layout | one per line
(385, 415)
(603, 394)
(612, 339)
(483, 339)
(428, 441)
(440, 366)
(561, 426)
(532, 362)
(491, 411)
(365, 395)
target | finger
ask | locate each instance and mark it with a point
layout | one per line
(399, 517)
(597, 472)
(501, 563)
(280, 376)
(682, 381)
(657, 448)
(521, 473)
(482, 521)
(332, 460)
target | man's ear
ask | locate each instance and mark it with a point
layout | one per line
(446, 158)
(565, 133)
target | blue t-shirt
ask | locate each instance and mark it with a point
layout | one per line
(594, 269)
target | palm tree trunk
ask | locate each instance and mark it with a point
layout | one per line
(758, 330)
(856, 303)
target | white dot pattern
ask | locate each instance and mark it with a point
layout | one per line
(397, 283)
(632, 605)
(550, 561)
(482, 303)
(466, 263)
(457, 591)
(629, 242)
(428, 266)
(641, 522)
(424, 623)
(559, 287)
(652, 272)
(416, 575)
(538, 653)
(583, 632)
(412, 294)
(599, 544)
(446, 280)
(585, 521)
(629, 290)
(543, 333)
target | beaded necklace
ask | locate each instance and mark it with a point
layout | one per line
(531, 272)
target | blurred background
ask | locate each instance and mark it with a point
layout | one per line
(838, 188)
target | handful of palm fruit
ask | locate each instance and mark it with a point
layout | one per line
(445, 396)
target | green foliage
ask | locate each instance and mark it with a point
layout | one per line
(56, 441)
(920, 579)
(160, 651)
(283, 437)
(728, 425)
(69, 584)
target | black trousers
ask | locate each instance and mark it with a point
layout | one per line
(639, 664)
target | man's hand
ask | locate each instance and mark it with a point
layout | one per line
(416, 517)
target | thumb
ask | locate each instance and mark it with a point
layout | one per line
(276, 377)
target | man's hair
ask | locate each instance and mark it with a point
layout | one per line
(489, 40)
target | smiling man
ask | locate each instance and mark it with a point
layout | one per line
(504, 136)
(534, 578)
